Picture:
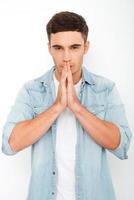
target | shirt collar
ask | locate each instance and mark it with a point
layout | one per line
(86, 76)
(47, 78)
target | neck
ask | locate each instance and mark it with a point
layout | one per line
(76, 76)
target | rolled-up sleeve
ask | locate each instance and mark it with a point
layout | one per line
(20, 111)
(115, 113)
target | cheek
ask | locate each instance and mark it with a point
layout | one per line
(56, 58)
(79, 58)
(57, 61)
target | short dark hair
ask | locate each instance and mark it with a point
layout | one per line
(67, 21)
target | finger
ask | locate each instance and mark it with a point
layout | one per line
(65, 64)
(63, 84)
(69, 77)
(64, 73)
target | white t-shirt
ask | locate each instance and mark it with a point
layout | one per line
(66, 138)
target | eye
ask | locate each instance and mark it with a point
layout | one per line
(57, 48)
(75, 47)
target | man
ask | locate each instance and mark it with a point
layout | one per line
(71, 117)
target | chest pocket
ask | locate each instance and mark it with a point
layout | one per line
(97, 109)
(40, 108)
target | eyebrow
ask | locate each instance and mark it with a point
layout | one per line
(57, 45)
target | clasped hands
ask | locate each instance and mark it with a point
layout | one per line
(66, 95)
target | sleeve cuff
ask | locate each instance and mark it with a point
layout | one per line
(121, 150)
(6, 148)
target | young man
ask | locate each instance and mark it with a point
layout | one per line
(71, 117)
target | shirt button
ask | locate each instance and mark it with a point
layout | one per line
(52, 193)
(53, 173)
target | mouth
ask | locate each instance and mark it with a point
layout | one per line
(70, 66)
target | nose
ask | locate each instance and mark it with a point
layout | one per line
(66, 56)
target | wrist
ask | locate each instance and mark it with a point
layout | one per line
(76, 108)
(58, 108)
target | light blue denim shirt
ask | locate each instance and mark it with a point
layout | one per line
(93, 180)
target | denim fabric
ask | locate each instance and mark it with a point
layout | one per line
(93, 180)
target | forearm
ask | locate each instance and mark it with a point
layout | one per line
(104, 133)
(28, 132)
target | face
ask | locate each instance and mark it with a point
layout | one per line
(68, 46)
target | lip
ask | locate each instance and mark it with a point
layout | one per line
(70, 66)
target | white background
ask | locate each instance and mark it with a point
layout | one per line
(24, 56)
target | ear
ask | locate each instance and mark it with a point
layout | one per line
(49, 47)
(86, 46)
